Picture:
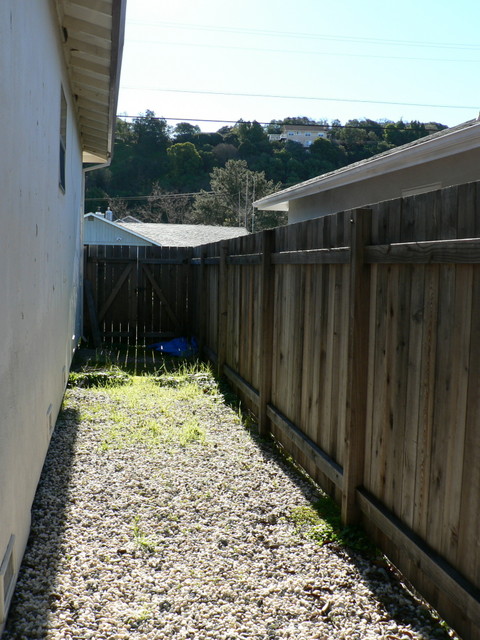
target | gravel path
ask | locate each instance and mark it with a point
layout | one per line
(191, 540)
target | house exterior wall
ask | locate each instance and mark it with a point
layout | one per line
(97, 231)
(446, 172)
(305, 135)
(40, 251)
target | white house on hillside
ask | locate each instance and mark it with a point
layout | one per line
(304, 134)
(59, 74)
(443, 159)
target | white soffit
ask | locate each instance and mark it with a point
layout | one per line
(92, 33)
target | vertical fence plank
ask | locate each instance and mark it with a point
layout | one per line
(357, 356)
(266, 329)
(222, 308)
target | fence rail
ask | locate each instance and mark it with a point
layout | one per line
(355, 339)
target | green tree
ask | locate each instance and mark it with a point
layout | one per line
(186, 132)
(185, 164)
(233, 190)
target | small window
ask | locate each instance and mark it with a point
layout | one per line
(63, 138)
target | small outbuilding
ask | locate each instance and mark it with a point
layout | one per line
(100, 231)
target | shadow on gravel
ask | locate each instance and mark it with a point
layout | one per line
(34, 597)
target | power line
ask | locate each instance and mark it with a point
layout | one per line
(310, 36)
(316, 98)
(155, 197)
(309, 53)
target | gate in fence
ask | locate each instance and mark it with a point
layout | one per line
(135, 295)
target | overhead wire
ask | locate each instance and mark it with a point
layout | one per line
(298, 51)
(311, 36)
(314, 98)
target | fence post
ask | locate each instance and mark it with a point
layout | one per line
(357, 369)
(266, 329)
(222, 308)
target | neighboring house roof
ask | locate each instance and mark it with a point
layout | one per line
(441, 144)
(92, 35)
(142, 234)
(184, 235)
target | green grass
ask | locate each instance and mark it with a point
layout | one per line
(141, 539)
(149, 410)
(322, 522)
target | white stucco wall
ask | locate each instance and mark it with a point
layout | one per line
(456, 169)
(40, 249)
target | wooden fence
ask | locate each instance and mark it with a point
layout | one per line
(135, 295)
(355, 340)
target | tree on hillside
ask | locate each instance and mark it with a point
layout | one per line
(185, 164)
(149, 142)
(148, 152)
(166, 207)
(233, 190)
(186, 132)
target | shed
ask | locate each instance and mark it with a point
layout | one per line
(100, 231)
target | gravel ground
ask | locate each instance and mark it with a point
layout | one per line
(191, 540)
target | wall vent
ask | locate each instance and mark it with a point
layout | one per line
(50, 424)
(7, 579)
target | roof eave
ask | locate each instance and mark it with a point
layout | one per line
(92, 34)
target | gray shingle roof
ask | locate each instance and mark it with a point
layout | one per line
(183, 235)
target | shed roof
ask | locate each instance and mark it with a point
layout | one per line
(173, 235)
(92, 35)
(448, 142)
(183, 235)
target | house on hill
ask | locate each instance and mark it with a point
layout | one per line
(100, 231)
(443, 159)
(304, 134)
(59, 74)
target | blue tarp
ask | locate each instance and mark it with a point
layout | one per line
(180, 347)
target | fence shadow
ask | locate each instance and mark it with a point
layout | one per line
(34, 595)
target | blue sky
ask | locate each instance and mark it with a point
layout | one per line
(268, 59)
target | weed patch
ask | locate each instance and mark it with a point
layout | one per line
(322, 522)
(148, 410)
(99, 378)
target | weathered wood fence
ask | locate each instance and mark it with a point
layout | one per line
(135, 295)
(355, 340)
